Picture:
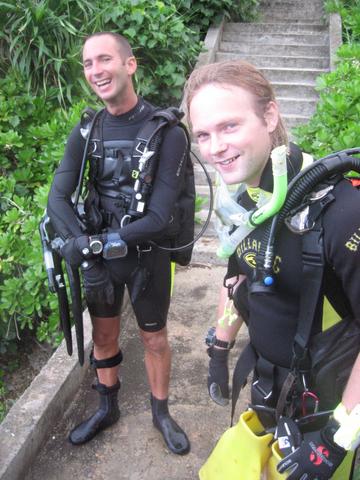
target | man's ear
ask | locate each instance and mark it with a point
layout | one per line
(131, 65)
(271, 116)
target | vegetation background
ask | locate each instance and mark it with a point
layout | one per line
(42, 93)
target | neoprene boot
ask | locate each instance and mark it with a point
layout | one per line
(107, 414)
(175, 438)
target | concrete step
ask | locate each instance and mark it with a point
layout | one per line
(270, 38)
(274, 27)
(292, 121)
(294, 50)
(284, 89)
(261, 61)
(297, 106)
(308, 4)
(282, 10)
(292, 16)
(292, 75)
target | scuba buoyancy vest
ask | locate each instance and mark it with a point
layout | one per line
(121, 175)
(321, 364)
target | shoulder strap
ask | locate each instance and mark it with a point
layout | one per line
(313, 270)
(146, 136)
(91, 120)
(244, 366)
(145, 156)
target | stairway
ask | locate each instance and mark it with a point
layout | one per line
(290, 44)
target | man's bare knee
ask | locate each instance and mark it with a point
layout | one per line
(155, 342)
(105, 331)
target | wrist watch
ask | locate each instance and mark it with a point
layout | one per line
(212, 341)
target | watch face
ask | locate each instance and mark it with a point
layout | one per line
(96, 247)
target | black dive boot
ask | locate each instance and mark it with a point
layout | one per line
(175, 438)
(107, 414)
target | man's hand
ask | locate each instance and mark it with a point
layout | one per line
(75, 250)
(218, 377)
(317, 457)
(97, 282)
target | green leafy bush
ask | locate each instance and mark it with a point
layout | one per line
(32, 139)
(335, 123)
(200, 14)
(349, 11)
(164, 46)
(43, 41)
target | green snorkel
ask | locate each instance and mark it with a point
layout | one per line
(248, 221)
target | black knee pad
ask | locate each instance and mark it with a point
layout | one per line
(106, 362)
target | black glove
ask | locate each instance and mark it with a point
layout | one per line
(218, 377)
(97, 282)
(75, 250)
(317, 458)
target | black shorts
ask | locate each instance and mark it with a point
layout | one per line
(148, 283)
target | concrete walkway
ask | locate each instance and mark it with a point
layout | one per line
(132, 449)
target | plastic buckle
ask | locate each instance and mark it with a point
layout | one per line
(230, 286)
(143, 250)
(266, 395)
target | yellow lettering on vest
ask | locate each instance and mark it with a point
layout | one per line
(351, 246)
(276, 264)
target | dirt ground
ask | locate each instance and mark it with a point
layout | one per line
(133, 449)
(20, 367)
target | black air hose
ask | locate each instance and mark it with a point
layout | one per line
(301, 185)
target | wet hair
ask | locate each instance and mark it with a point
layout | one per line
(239, 74)
(122, 43)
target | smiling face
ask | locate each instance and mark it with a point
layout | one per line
(230, 133)
(109, 72)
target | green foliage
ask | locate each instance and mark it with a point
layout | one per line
(164, 46)
(42, 39)
(32, 139)
(349, 11)
(200, 202)
(200, 14)
(335, 123)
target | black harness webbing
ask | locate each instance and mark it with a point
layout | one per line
(313, 271)
(244, 366)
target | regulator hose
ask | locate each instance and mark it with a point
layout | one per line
(302, 184)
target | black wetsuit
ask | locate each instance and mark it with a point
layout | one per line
(150, 269)
(273, 317)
